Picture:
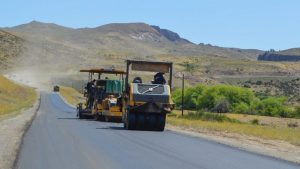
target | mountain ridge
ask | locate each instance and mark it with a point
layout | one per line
(138, 39)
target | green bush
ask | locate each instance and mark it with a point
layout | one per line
(233, 95)
(227, 98)
(190, 96)
(296, 113)
(272, 107)
(242, 108)
(222, 106)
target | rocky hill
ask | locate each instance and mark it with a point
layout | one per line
(290, 55)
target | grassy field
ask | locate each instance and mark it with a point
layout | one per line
(274, 131)
(14, 97)
(71, 95)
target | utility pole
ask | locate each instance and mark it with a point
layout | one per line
(182, 95)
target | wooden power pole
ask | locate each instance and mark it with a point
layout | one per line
(182, 95)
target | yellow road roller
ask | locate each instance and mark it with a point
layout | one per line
(146, 103)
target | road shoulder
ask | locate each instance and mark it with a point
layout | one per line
(12, 131)
(274, 148)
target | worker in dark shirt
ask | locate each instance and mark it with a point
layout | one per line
(159, 78)
(90, 93)
(89, 85)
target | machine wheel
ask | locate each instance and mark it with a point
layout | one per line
(161, 122)
(99, 117)
(80, 116)
(131, 121)
(140, 121)
(96, 117)
(151, 122)
(107, 119)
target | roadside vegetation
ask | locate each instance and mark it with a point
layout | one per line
(14, 97)
(226, 98)
(213, 122)
(71, 95)
(233, 109)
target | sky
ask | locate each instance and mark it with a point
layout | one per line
(256, 24)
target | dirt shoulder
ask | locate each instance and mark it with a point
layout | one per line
(12, 131)
(273, 148)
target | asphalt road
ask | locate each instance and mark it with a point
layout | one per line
(57, 140)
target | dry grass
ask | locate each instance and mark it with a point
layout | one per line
(265, 120)
(291, 135)
(14, 97)
(71, 95)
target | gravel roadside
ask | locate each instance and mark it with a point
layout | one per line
(274, 148)
(11, 132)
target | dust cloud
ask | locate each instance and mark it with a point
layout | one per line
(42, 68)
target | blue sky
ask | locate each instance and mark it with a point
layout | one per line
(261, 24)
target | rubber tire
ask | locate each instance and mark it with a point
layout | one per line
(141, 121)
(80, 115)
(131, 121)
(101, 118)
(152, 122)
(106, 119)
(96, 117)
(161, 122)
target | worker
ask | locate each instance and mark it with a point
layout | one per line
(91, 95)
(137, 80)
(88, 90)
(89, 85)
(159, 78)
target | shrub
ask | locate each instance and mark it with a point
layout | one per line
(259, 82)
(224, 97)
(190, 96)
(254, 121)
(272, 107)
(297, 112)
(292, 124)
(241, 108)
(222, 106)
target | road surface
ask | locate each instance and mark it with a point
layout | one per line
(57, 140)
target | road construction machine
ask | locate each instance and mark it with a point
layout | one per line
(103, 96)
(147, 103)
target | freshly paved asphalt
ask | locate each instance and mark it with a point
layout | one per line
(58, 140)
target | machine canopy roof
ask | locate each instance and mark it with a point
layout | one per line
(150, 66)
(106, 71)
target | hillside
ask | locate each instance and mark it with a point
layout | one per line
(56, 51)
(14, 97)
(292, 54)
(10, 48)
(138, 39)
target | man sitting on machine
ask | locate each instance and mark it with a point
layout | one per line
(159, 78)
